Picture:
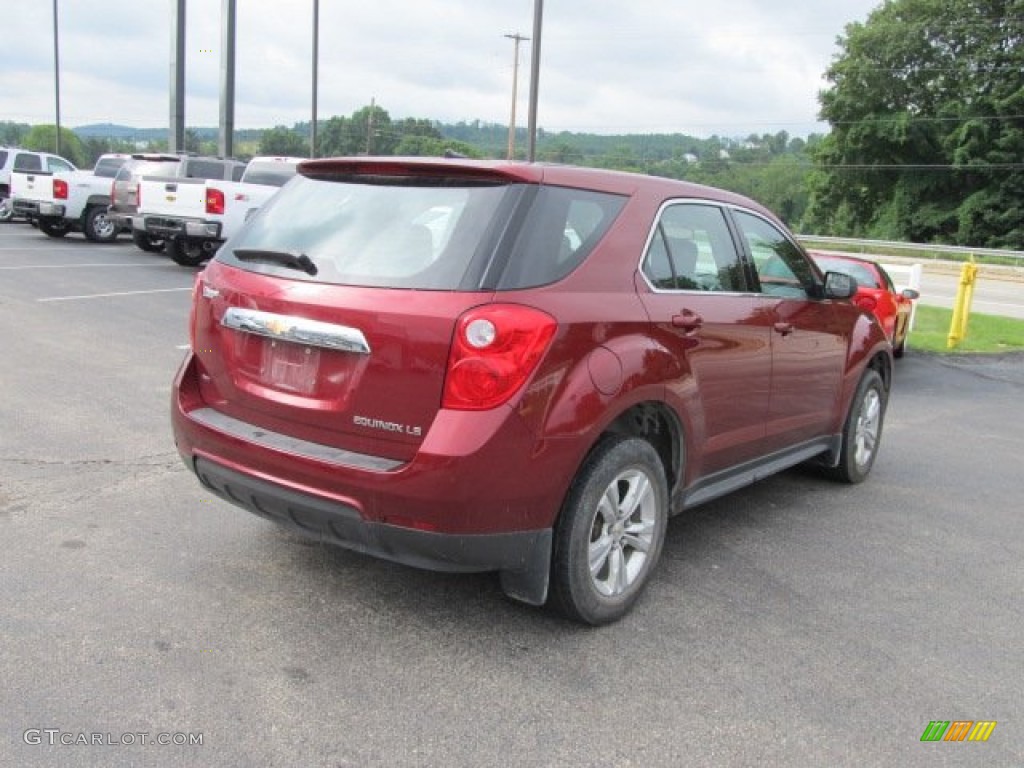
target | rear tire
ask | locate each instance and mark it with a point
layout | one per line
(53, 229)
(610, 533)
(187, 253)
(6, 209)
(98, 226)
(863, 430)
(147, 243)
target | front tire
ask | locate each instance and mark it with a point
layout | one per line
(52, 228)
(98, 226)
(862, 432)
(610, 533)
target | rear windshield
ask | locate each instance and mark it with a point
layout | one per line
(108, 167)
(273, 174)
(436, 234)
(3, 157)
(138, 168)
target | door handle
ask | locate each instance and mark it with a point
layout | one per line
(687, 320)
(784, 328)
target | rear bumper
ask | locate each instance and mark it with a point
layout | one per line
(342, 525)
(485, 501)
(28, 209)
(173, 226)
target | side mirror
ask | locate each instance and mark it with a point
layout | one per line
(910, 293)
(839, 286)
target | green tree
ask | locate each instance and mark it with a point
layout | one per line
(280, 140)
(927, 139)
(43, 138)
(12, 134)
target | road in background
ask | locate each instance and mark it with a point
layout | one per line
(796, 622)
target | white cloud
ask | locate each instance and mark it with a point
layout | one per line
(645, 66)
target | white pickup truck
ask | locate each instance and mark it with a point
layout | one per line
(74, 201)
(194, 216)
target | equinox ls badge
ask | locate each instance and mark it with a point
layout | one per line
(386, 426)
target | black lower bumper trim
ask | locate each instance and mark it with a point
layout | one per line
(523, 557)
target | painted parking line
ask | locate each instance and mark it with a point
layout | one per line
(71, 266)
(108, 295)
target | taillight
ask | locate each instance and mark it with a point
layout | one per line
(138, 195)
(495, 349)
(866, 302)
(60, 189)
(197, 291)
(214, 201)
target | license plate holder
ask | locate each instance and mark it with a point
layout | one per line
(289, 367)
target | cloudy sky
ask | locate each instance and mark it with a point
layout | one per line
(642, 66)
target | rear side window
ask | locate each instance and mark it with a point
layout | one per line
(27, 162)
(691, 250)
(560, 230)
(425, 235)
(3, 157)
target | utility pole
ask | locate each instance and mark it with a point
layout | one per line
(176, 134)
(226, 145)
(56, 75)
(515, 91)
(316, 50)
(538, 22)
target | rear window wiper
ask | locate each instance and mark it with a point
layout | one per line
(284, 258)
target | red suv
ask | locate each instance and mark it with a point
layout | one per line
(491, 366)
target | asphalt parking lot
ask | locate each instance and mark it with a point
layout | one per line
(795, 623)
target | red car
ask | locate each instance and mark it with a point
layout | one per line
(876, 294)
(492, 366)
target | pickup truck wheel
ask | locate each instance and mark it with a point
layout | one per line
(6, 209)
(99, 227)
(609, 535)
(147, 243)
(52, 228)
(863, 430)
(187, 253)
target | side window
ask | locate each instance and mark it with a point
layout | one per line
(26, 162)
(781, 268)
(691, 250)
(236, 172)
(56, 165)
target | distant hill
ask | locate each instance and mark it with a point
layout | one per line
(120, 132)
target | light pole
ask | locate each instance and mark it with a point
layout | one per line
(538, 20)
(515, 93)
(56, 75)
(316, 49)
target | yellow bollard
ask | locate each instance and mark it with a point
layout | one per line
(962, 306)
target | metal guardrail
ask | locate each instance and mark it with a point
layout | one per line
(929, 250)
